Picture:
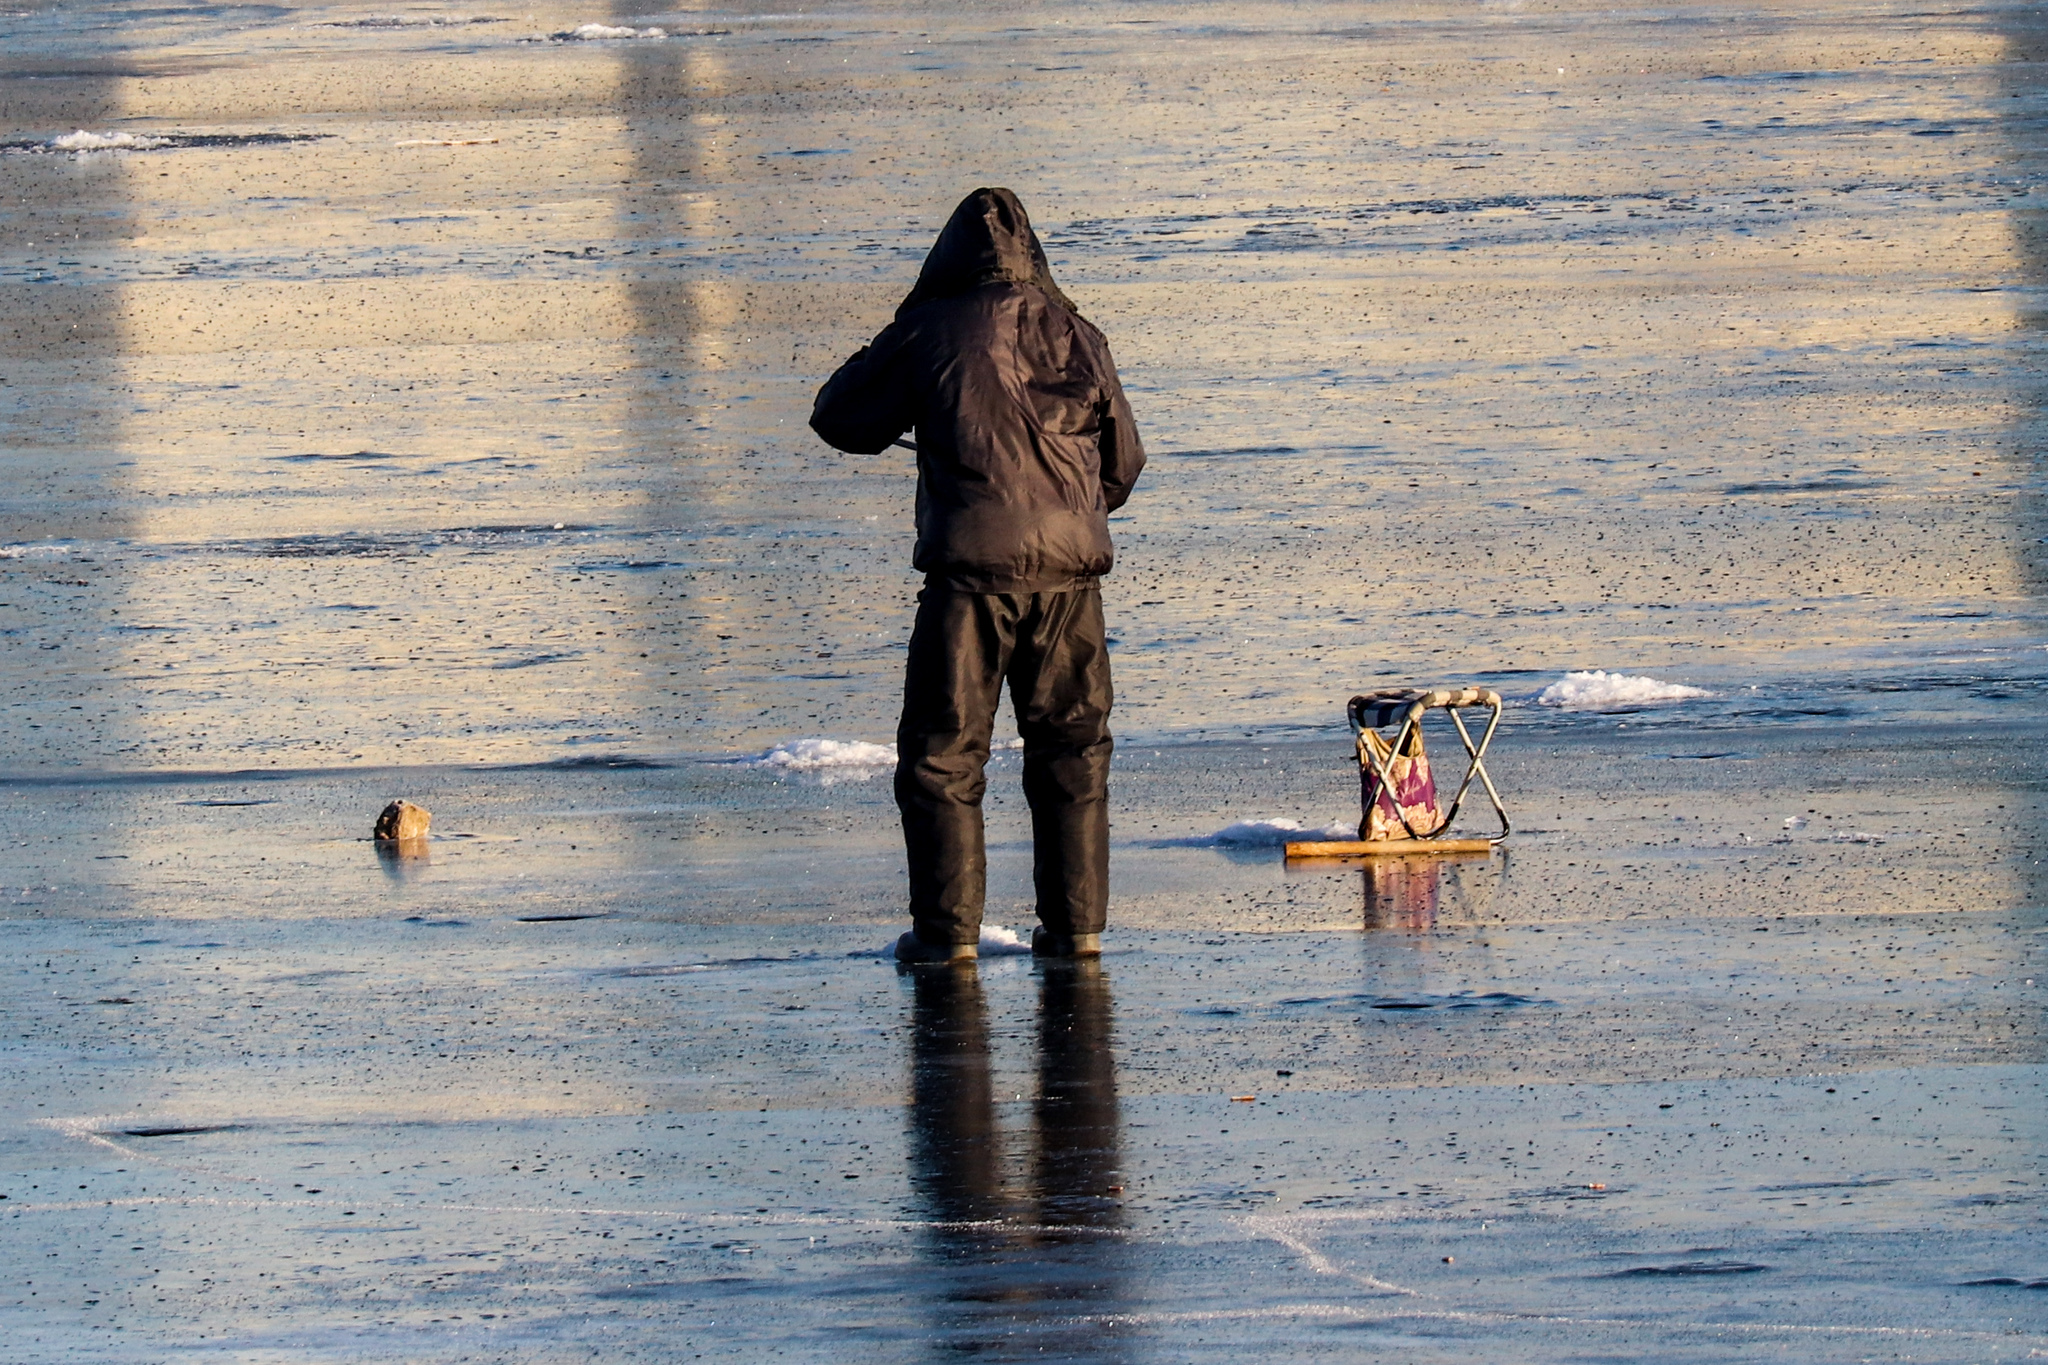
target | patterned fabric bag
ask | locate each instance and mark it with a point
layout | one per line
(1414, 788)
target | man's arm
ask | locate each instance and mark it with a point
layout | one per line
(865, 404)
(1123, 457)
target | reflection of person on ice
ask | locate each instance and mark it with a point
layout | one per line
(1025, 444)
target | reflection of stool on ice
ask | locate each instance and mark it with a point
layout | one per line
(1401, 893)
(1406, 892)
(1399, 816)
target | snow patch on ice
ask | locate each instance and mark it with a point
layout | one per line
(996, 941)
(594, 33)
(1273, 833)
(83, 141)
(814, 755)
(1595, 690)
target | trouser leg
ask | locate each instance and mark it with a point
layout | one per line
(1059, 684)
(957, 652)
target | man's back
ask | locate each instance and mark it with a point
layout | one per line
(1025, 441)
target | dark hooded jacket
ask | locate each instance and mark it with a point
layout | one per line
(1025, 442)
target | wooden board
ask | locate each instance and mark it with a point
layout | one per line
(1387, 848)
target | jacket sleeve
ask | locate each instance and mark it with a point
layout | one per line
(1123, 456)
(866, 403)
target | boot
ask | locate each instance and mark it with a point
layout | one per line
(1045, 943)
(915, 951)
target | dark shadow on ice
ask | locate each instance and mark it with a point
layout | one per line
(63, 341)
(69, 502)
(174, 1130)
(1685, 1269)
(2023, 76)
(666, 207)
(1027, 1267)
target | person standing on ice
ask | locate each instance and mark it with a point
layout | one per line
(1025, 445)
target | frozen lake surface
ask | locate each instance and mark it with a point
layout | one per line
(1670, 1079)
(410, 403)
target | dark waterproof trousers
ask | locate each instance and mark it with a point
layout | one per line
(1050, 648)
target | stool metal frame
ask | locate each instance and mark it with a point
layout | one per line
(1409, 704)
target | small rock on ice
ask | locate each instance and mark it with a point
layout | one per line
(402, 822)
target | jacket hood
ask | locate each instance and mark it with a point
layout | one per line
(988, 239)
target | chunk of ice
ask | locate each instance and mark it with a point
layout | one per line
(1273, 833)
(996, 941)
(604, 32)
(83, 141)
(812, 755)
(1595, 690)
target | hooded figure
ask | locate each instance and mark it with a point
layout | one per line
(1025, 444)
